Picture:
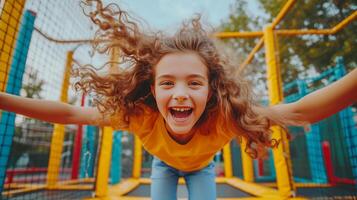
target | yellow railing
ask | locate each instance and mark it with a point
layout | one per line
(268, 37)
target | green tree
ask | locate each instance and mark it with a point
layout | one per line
(241, 20)
(34, 87)
(299, 54)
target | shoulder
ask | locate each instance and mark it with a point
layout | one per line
(217, 124)
(144, 119)
(144, 116)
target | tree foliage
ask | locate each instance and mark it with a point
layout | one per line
(299, 54)
(34, 87)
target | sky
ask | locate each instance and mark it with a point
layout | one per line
(65, 20)
(168, 14)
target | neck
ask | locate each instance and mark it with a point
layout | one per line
(181, 138)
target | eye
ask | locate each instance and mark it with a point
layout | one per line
(166, 83)
(195, 83)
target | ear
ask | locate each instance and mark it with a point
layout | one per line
(152, 89)
(209, 95)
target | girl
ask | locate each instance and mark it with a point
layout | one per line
(178, 96)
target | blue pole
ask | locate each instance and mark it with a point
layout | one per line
(348, 124)
(313, 140)
(13, 86)
(115, 168)
(88, 153)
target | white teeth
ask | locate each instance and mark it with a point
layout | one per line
(181, 109)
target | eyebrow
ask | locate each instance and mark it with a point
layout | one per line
(189, 76)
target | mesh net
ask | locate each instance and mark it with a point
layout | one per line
(35, 40)
(338, 130)
(308, 63)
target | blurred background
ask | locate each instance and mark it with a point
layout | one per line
(41, 41)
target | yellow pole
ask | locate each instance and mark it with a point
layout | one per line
(344, 22)
(9, 20)
(55, 156)
(58, 132)
(102, 179)
(247, 163)
(137, 158)
(114, 58)
(253, 34)
(250, 57)
(333, 30)
(238, 34)
(287, 6)
(107, 144)
(227, 157)
(294, 32)
(281, 154)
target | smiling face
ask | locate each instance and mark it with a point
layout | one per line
(181, 90)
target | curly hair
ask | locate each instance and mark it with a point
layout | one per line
(126, 90)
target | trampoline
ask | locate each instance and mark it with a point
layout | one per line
(337, 192)
(53, 194)
(227, 188)
(223, 190)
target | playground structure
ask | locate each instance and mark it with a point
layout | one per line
(88, 162)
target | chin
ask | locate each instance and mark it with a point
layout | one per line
(180, 130)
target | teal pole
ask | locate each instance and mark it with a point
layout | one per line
(13, 86)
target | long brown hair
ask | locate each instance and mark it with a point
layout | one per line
(125, 91)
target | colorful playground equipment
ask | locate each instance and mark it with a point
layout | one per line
(39, 160)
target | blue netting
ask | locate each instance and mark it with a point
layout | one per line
(339, 130)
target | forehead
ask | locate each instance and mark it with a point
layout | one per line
(181, 64)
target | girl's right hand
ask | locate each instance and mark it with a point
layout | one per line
(51, 111)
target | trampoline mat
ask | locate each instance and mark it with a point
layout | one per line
(223, 190)
(338, 191)
(51, 195)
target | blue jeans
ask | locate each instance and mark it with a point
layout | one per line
(201, 184)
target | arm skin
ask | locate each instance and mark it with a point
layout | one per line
(323, 102)
(51, 111)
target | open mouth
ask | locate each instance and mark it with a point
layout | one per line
(181, 113)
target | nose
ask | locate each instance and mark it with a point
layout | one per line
(180, 94)
(181, 99)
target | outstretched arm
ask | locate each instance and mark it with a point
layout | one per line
(323, 102)
(51, 111)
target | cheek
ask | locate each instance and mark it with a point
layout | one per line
(162, 99)
(201, 99)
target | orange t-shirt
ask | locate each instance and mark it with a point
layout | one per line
(196, 154)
